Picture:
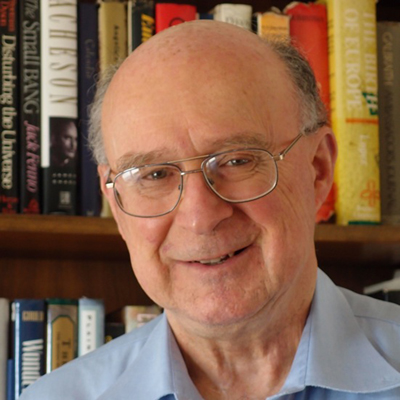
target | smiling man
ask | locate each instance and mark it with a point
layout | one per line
(190, 135)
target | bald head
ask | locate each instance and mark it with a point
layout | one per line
(201, 55)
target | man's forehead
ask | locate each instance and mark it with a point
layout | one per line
(166, 154)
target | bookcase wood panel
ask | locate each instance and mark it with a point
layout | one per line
(47, 256)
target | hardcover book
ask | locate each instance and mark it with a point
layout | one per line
(9, 193)
(90, 325)
(273, 25)
(170, 14)
(354, 109)
(29, 106)
(28, 318)
(389, 119)
(59, 107)
(113, 48)
(62, 332)
(133, 316)
(88, 67)
(236, 14)
(141, 22)
(4, 329)
(309, 33)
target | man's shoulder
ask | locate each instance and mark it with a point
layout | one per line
(371, 309)
(88, 376)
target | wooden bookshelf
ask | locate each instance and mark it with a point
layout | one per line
(76, 256)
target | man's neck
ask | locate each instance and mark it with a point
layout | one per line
(248, 362)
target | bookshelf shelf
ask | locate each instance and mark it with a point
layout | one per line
(98, 238)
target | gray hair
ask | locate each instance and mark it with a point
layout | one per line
(312, 110)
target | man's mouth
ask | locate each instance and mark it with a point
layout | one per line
(219, 260)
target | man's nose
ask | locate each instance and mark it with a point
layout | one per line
(200, 209)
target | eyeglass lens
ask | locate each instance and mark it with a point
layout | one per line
(234, 176)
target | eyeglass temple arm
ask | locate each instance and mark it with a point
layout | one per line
(282, 154)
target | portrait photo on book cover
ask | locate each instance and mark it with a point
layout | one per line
(64, 142)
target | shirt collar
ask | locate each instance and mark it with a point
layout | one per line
(333, 347)
(158, 370)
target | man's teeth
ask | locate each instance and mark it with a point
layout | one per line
(216, 261)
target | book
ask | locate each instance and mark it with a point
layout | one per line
(170, 14)
(59, 107)
(236, 14)
(354, 109)
(62, 332)
(113, 330)
(90, 325)
(389, 119)
(9, 192)
(88, 66)
(309, 34)
(29, 107)
(141, 22)
(113, 48)
(273, 25)
(4, 329)
(134, 316)
(28, 336)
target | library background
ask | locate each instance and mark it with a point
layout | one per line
(45, 254)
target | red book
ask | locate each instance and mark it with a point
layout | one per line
(309, 33)
(169, 14)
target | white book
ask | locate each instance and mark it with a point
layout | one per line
(4, 323)
(236, 14)
(90, 325)
(385, 286)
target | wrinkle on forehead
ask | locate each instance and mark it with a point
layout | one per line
(161, 155)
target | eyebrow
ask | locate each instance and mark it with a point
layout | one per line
(242, 139)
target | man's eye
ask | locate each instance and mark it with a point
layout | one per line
(237, 162)
(156, 175)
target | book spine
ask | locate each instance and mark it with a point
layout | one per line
(62, 332)
(141, 23)
(29, 338)
(29, 106)
(59, 106)
(113, 48)
(91, 325)
(309, 33)
(354, 109)
(88, 66)
(389, 119)
(274, 26)
(9, 193)
(236, 14)
(170, 14)
(4, 329)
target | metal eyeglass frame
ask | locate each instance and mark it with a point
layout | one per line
(110, 183)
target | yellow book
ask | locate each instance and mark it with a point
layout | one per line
(354, 109)
(113, 47)
(273, 25)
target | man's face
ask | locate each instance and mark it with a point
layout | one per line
(176, 112)
(69, 140)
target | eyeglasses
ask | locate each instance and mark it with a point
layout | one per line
(236, 176)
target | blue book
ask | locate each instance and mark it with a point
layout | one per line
(28, 318)
(10, 380)
(88, 63)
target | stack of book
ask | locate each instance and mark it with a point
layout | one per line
(38, 336)
(48, 85)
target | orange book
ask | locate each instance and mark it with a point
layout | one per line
(309, 33)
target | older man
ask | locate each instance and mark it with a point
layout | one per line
(195, 125)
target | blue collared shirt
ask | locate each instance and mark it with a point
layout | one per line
(349, 350)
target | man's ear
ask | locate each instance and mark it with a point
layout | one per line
(103, 171)
(324, 164)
